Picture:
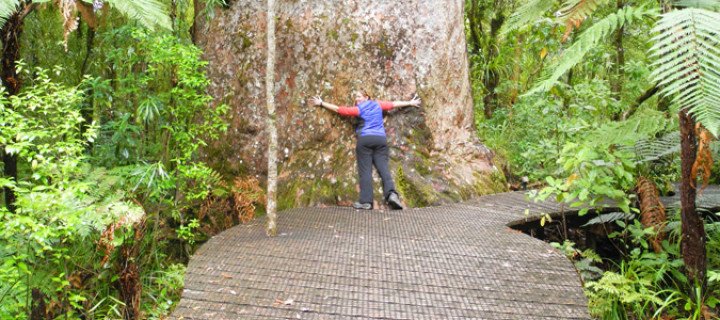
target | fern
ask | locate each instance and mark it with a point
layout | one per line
(526, 14)
(149, 13)
(609, 217)
(643, 125)
(686, 49)
(713, 5)
(588, 40)
(579, 9)
(7, 8)
(647, 150)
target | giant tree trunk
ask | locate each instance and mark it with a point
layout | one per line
(329, 48)
(692, 244)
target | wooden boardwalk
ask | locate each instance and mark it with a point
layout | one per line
(457, 261)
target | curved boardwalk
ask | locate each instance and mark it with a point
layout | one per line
(452, 262)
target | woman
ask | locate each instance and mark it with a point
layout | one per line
(371, 148)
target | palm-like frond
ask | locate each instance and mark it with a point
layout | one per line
(647, 150)
(713, 5)
(7, 8)
(644, 125)
(579, 9)
(149, 13)
(688, 59)
(526, 14)
(588, 40)
(574, 12)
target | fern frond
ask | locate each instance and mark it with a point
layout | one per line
(653, 149)
(149, 13)
(712, 5)
(526, 14)
(645, 124)
(579, 9)
(609, 217)
(588, 40)
(7, 8)
(574, 12)
(688, 60)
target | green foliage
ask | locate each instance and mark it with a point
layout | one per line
(590, 123)
(583, 260)
(43, 126)
(579, 9)
(648, 284)
(687, 60)
(149, 13)
(160, 119)
(528, 13)
(60, 211)
(594, 177)
(587, 41)
(7, 8)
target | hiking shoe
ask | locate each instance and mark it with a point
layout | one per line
(394, 201)
(362, 206)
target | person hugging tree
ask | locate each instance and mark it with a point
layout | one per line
(371, 148)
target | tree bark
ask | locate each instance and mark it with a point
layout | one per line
(197, 7)
(10, 34)
(492, 74)
(693, 229)
(649, 93)
(323, 49)
(618, 72)
(271, 127)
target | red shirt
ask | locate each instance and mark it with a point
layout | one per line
(355, 111)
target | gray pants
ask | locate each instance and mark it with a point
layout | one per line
(373, 150)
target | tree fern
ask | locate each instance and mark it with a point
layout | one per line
(588, 40)
(686, 49)
(149, 13)
(526, 14)
(713, 5)
(7, 8)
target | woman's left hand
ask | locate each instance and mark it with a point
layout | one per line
(316, 100)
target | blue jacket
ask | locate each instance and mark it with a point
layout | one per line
(371, 119)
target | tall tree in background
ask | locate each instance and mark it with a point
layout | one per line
(149, 13)
(485, 41)
(271, 127)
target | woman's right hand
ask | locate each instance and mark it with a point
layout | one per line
(415, 101)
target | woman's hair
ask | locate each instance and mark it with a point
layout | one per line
(364, 92)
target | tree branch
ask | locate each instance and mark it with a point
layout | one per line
(649, 93)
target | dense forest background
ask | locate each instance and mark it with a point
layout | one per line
(597, 101)
(105, 113)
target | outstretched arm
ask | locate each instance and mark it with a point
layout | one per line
(319, 102)
(343, 111)
(414, 102)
